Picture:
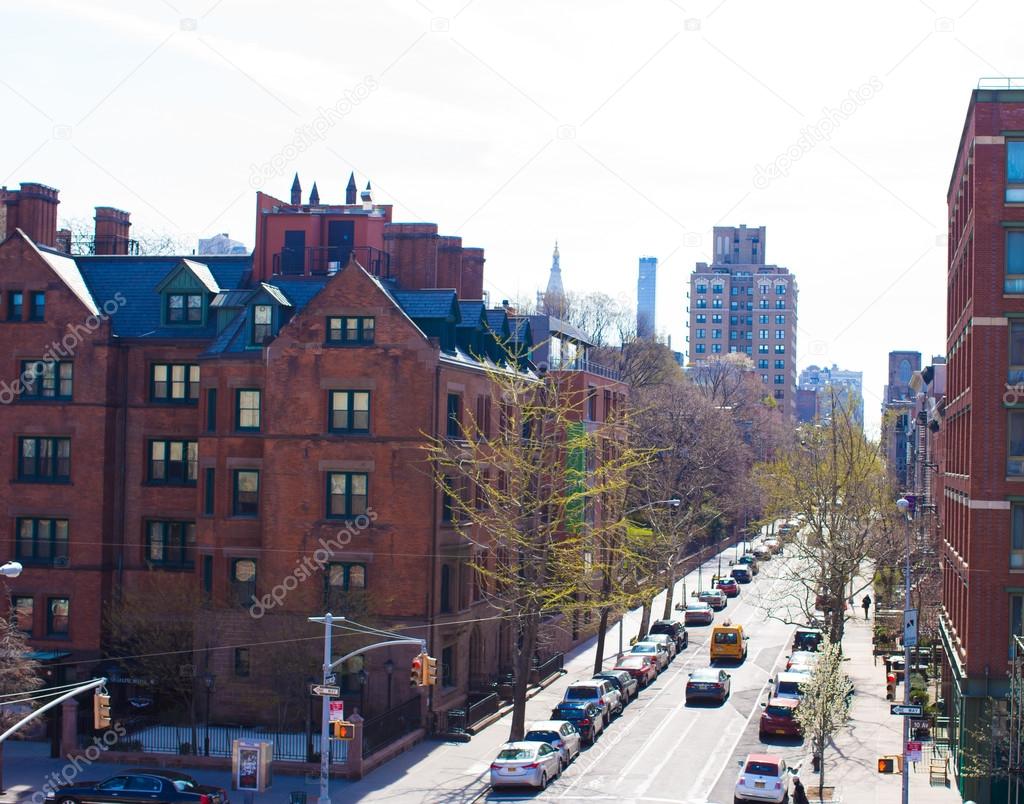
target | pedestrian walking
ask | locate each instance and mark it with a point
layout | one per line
(866, 603)
(850, 601)
(799, 796)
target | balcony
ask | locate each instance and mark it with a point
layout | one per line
(328, 260)
(589, 366)
(103, 245)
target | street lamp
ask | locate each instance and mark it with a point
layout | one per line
(363, 678)
(12, 569)
(209, 680)
(389, 668)
(903, 504)
(310, 681)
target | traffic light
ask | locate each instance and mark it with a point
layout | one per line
(342, 730)
(416, 671)
(885, 765)
(890, 687)
(431, 671)
(100, 710)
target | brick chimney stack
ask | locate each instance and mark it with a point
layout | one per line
(33, 209)
(112, 228)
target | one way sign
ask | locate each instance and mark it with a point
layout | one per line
(910, 628)
(907, 710)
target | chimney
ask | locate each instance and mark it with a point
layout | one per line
(64, 240)
(472, 274)
(112, 227)
(296, 191)
(33, 209)
(350, 190)
(413, 250)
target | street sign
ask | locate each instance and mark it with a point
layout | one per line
(913, 751)
(910, 628)
(331, 678)
(325, 690)
(907, 710)
(337, 711)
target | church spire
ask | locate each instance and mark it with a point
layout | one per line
(554, 296)
(296, 191)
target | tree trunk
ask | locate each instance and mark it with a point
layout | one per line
(523, 657)
(670, 587)
(602, 626)
(821, 775)
(645, 619)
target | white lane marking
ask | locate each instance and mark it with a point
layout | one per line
(669, 755)
(716, 752)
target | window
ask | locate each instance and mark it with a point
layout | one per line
(246, 495)
(764, 378)
(780, 364)
(780, 290)
(340, 581)
(243, 580)
(184, 308)
(1015, 171)
(174, 382)
(762, 319)
(58, 611)
(42, 541)
(716, 318)
(349, 412)
(346, 494)
(780, 394)
(733, 335)
(15, 305)
(702, 288)
(699, 348)
(171, 544)
(762, 333)
(1017, 536)
(448, 667)
(44, 460)
(763, 304)
(717, 304)
(701, 304)
(591, 404)
(1016, 620)
(350, 330)
(1014, 282)
(734, 305)
(23, 613)
(242, 663)
(701, 318)
(780, 304)
(174, 463)
(262, 323)
(446, 588)
(247, 410)
(1015, 450)
(716, 348)
(717, 288)
(780, 348)
(779, 319)
(209, 491)
(207, 577)
(37, 306)
(762, 348)
(46, 379)
(702, 333)
(454, 416)
(762, 364)
(764, 290)
(734, 291)
(211, 410)
(734, 320)
(716, 333)
(780, 334)
(780, 379)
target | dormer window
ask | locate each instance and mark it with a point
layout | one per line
(184, 308)
(262, 323)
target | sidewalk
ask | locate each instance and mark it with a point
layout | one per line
(851, 765)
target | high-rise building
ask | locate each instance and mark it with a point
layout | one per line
(741, 304)
(982, 467)
(848, 387)
(646, 297)
(897, 412)
(221, 245)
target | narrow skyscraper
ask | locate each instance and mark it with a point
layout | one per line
(646, 297)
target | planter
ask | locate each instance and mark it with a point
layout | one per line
(828, 794)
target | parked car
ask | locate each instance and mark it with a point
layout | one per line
(697, 613)
(675, 629)
(728, 586)
(533, 764)
(774, 545)
(628, 686)
(787, 685)
(763, 777)
(662, 639)
(800, 661)
(644, 668)
(714, 598)
(728, 642)
(656, 650)
(560, 735)
(741, 575)
(761, 552)
(588, 718)
(779, 719)
(807, 638)
(708, 683)
(599, 691)
(750, 561)
(141, 785)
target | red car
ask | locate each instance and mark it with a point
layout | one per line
(779, 719)
(729, 586)
(643, 668)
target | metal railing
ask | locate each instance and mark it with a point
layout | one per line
(327, 260)
(549, 666)
(589, 366)
(485, 707)
(382, 730)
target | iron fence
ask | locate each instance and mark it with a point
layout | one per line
(215, 741)
(550, 666)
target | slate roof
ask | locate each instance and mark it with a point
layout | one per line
(471, 313)
(429, 303)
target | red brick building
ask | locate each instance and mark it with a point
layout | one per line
(255, 425)
(983, 431)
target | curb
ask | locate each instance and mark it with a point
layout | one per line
(476, 728)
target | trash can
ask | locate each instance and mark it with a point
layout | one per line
(297, 797)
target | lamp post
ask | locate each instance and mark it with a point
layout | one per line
(904, 506)
(673, 502)
(310, 681)
(12, 569)
(389, 668)
(209, 680)
(363, 678)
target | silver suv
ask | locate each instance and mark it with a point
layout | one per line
(597, 691)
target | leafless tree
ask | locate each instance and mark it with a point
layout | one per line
(18, 674)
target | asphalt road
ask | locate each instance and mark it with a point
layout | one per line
(660, 749)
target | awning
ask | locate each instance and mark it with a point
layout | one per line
(47, 655)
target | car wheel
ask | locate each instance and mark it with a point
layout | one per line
(543, 781)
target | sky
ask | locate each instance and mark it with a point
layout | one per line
(618, 128)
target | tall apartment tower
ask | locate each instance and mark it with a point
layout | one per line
(741, 304)
(982, 536)
(898, 400)
(646, 297)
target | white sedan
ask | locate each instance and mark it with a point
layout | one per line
(529, 764)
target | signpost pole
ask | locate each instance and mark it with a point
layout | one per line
(325, 725)
(906, 654)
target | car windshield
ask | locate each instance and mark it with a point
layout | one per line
(661, 629)
(705, 675)
(778, 711)
(632, 661)
(645, 647)
(763, 768)
(540, 737)
(697, 607)
(581, 693)
(788, 688)
(516, 753)
(726, 638)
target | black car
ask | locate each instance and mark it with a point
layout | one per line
(807, 638)
(588, 718)
(741, 574)
(674, 629)
(137, 786)
(627, 685)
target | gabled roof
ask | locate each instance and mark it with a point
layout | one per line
(274, 293)
(231, 299)
(472, 314)
(66, 268)
(430, 303)
(199, 270)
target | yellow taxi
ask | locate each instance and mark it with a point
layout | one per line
(728, 642)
